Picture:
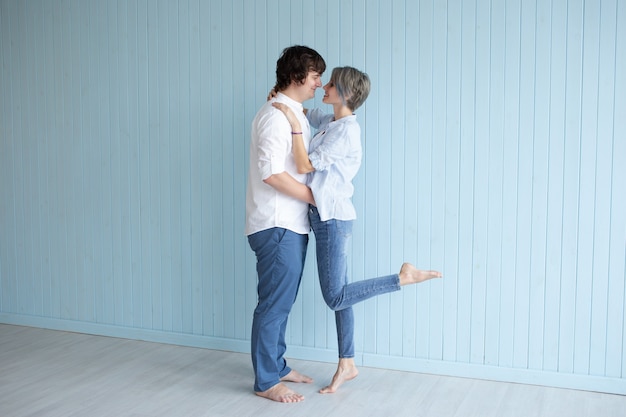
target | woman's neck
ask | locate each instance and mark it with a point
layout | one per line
(341, 111)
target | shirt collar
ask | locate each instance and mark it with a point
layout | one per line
(288, 100)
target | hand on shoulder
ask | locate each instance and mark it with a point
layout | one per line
(293, 120)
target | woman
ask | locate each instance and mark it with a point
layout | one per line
(333, 160)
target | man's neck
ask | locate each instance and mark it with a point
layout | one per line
(293, 93)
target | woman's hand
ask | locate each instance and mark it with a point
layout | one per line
(271, 94)
(299, 151)
(293, 120)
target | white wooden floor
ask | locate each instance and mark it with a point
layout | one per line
(53, 373)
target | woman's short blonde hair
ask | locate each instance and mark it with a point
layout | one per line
(353, 86)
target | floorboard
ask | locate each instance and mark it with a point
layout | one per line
(52, 373)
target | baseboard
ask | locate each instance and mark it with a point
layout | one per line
(453, 369)
(493, 373)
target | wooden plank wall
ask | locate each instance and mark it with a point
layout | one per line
(495, 151)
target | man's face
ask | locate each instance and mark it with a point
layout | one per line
(311, 83)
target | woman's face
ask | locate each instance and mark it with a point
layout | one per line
(330, 94)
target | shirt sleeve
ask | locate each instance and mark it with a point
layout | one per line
(317, 117)
(274, 133)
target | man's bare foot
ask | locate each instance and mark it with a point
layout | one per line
(295, 376)
(411, 275)
(346, 370)
(281, 393)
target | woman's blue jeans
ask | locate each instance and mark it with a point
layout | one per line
(280, 257)
(332, 239)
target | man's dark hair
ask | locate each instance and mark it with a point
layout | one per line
(295, 63)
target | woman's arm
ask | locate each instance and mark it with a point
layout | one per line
(299, 151)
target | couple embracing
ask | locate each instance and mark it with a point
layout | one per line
(298, 182)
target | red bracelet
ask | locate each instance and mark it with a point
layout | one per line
(296, 133)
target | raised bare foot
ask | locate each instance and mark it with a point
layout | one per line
(411, 275)
(346, 370)
(295, 376)
(281, 393)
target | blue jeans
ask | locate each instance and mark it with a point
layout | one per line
(332, 238)
(280, 257)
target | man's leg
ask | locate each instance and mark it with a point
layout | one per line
(280, 260)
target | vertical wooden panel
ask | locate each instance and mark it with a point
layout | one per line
(175, 159)
(423, 191)
(570, 187)
(144, 110)
(555, 181)
(167, 148)
(371, 177)
(206, 92)
(134, 90)
(40, 219)
(504, 116)
(452, 198)
(522, 149)
(152, 170)
(56, 241)
(186, 300)
(398, 169)
(353, 15)
(20, 126)
(616, 365)
(538, 214)
(125, 280)
(381, 64)
(466, 190)
(195, 172)
(603, 188)
(480, 101)
(240, 124)
(8, 262)
(228, 159)
(409, 157)
(112, 178)
(437, 209)
(5, 171)
(586, 202)
(29, 166)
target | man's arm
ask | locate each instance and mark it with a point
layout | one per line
(288, 185)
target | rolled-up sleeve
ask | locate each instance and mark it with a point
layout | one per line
(274, 146)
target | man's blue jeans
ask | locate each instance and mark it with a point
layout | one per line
(280, 257)
(332, 239)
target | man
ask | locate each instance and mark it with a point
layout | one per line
(277, 224)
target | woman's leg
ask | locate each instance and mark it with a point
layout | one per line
(332, 240)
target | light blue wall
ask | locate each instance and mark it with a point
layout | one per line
(495, 151)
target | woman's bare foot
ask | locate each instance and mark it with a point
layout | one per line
(281, 393)
(411, 275)
(346, 370)
(295, 376)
